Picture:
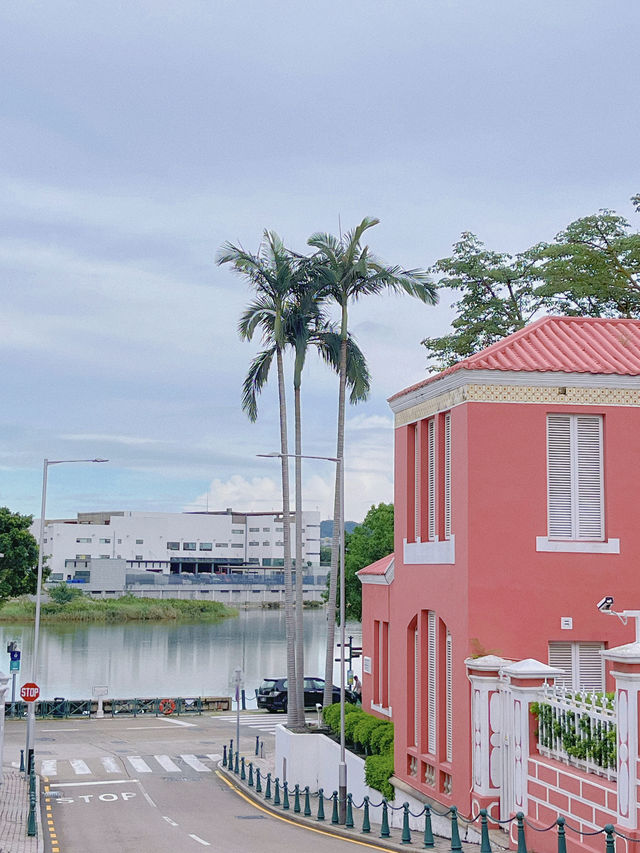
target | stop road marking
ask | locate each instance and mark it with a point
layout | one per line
(103, 798)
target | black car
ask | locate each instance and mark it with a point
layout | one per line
(272, 694)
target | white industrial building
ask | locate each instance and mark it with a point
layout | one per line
(198, 543)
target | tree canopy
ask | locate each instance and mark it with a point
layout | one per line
(592, 268)
(18, 555)
(370, 541)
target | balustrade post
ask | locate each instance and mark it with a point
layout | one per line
(285, 795)
(522, 842)
(258, 781)
(251, 774)
(611, 842)
(366, 824)
(320, 815)
(243, 774)
(384, 829)
(267, 792)
(406, 831)
(429, 840)
(296, 799)
(562, 839)
(307, 802)
(334, 813)
(455, 832)
(485, 844)
(276, 794)
(236, 768)
(349, 818)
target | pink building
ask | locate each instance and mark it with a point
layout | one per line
(517, 474)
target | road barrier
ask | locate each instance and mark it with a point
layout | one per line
(252, 778)
(119, 707)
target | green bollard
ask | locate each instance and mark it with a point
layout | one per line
(258, 781)
(31, 820)
(251, 774)
(22, 760)
(406, 831)
(230, 755)
(276, 795)
(236, 768)
(455, 832)
(485, 844)
(349, 818)
(334, 814)
(296, 799)
(611, 843)
(366, 825)
(285, 795)
(267, 793)
(307, 802)
(243, 775)
(384, 829)
(522, 844)
(224, 755)
(320, 804)
(428, 829)
(562, 840)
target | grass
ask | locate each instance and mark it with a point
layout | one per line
(125, 609)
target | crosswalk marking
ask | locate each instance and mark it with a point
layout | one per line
(215, 757)
(138, 764)
(110, 764)
(167, 764)
(79, 767)
(192, 761)
(49, 767)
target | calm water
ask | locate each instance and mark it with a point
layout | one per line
(139, 660)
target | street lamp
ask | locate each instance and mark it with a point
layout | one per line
(342, 766)
(31, 711)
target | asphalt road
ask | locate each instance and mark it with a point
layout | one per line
(151, 784)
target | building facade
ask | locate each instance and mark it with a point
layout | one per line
(516, 473)
(176, 543)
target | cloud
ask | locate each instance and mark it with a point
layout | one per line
(116, 439)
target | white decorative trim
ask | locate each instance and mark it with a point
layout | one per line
(380, 709)
(384, 580)
(543, 543)
(437, 553)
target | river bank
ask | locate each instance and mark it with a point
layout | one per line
(117, 610)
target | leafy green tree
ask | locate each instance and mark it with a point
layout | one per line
(370, 541)
(18, 555)
(63, 593)
(498, 298)
(346, 270)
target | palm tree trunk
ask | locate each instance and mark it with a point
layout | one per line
(337, 515)
(292, 712)
(299, 563)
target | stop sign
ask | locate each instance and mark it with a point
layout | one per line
(29, 691)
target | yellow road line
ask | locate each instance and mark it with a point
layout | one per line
(295, 822)
(53, 837)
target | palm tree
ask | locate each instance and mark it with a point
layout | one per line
(306, 325)
(346, 270)
(273, 272)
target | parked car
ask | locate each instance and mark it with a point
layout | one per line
(272, 694)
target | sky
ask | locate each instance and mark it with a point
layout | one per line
(137, 137)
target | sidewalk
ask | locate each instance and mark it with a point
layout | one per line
(14, 810)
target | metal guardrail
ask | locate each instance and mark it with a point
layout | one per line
(159, 706)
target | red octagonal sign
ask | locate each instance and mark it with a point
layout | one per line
(29, 691)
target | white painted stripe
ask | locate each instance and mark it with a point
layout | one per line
(199, 840)
(101, 782)
(215, 757)
(146, 728)
(79, 767)
(144, 794)
(192, 761)
(58, 730)
(49, 767)
(181, 723)
(169, 821)
(165, 762)
(110, 764)
(138, 764)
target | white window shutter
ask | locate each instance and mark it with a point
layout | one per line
(416, 687)
(431, 682)
(561, 656)
(416, 480)
(559, 476)
(431, 475)
(449, 697)
(589, 478)
(447, 476)
(590, 667)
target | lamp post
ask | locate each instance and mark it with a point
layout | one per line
(31, 711)
(342, 766)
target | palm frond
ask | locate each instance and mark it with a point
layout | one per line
(255, 381)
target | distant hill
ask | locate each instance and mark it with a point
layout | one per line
(326, 527)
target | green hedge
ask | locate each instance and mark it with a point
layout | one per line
(372, 736)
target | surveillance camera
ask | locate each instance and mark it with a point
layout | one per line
(605, 604)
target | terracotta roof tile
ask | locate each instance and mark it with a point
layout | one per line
(378, 568)
(558, 344)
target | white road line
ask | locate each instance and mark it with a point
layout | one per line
(169, 821)
(192, 761)
(167, 764)
(49, 767)
(79, 767)
(180, 723)
(101, 782)
(110, 764)
(144, 794)
(138, 764)
(215, 757)
(58, 730)
(199, 840)
(146, 728)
